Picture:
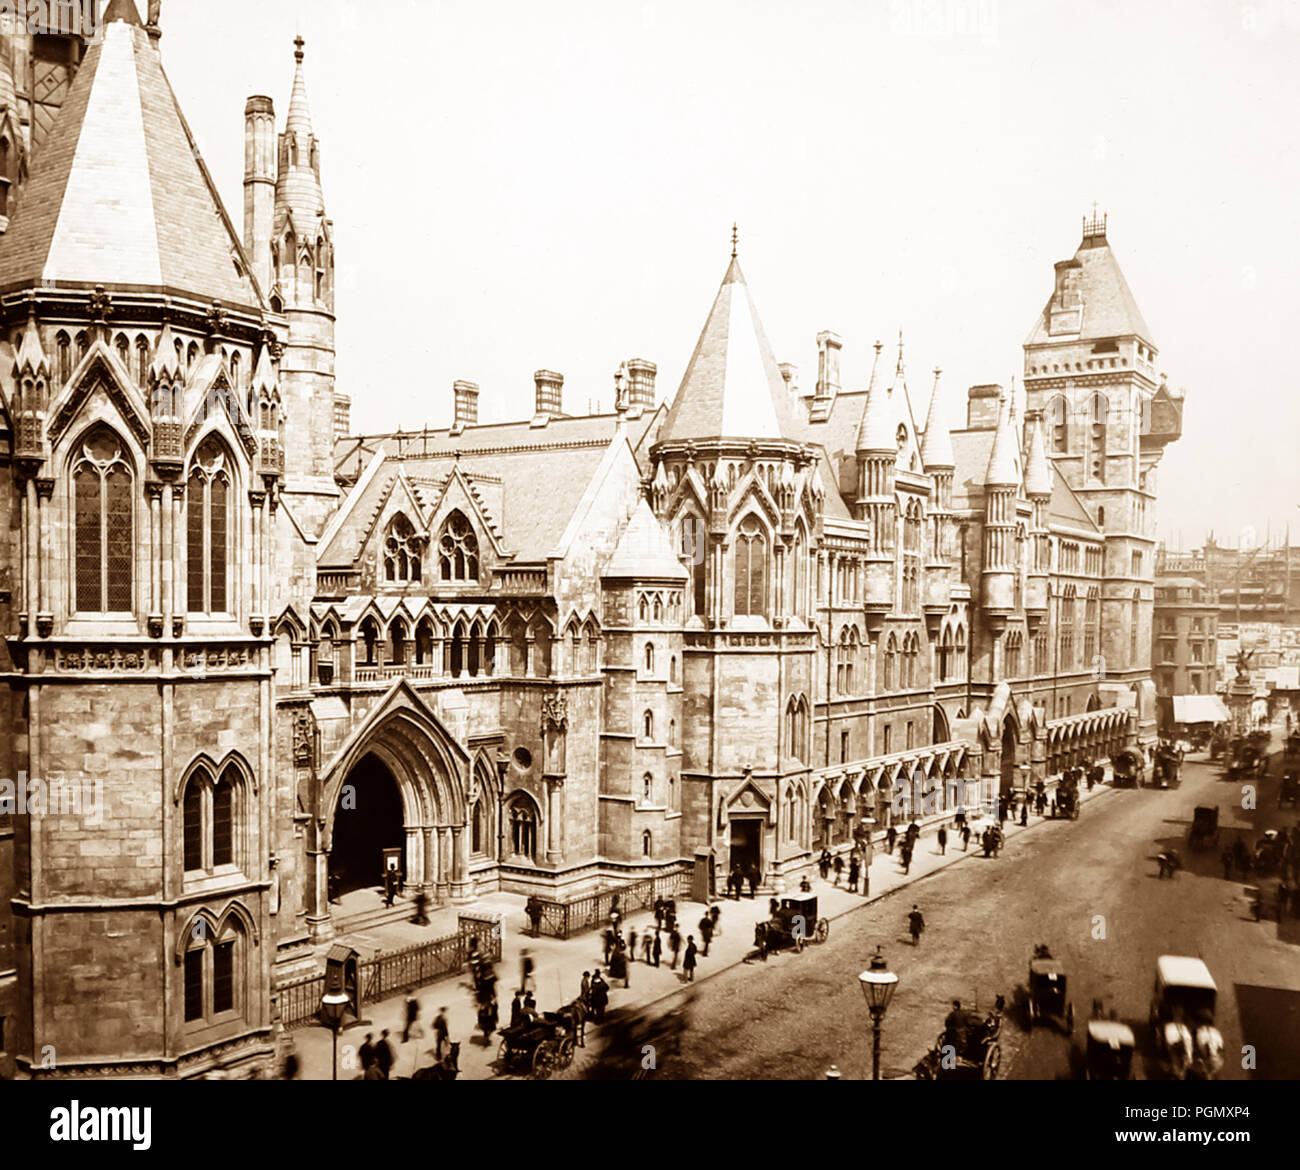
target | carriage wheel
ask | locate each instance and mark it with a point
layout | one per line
(503, 1053)
(992, 1061)
(823, 930)
(564, 1057)
(544, 1059)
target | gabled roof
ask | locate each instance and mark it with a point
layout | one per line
(118, 194)
(1109, 307)
(644, 550)
(732, 386)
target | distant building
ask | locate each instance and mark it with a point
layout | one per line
(1252, 584)
(1184, 653)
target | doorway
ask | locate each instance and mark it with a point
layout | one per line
(367, 820)
(746, 843)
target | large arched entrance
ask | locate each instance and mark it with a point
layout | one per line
(368, 819)
(1009, 762)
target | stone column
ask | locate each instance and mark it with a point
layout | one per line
(154, 491)
(460, 891)
(44, 491)
(444, 861)
(554, 820)
(255, 555)
(31, 587)
(429, 872)
(414, 868)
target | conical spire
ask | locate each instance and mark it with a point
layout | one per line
(166, 363)
(31, 361)
(299, 117)
(876, 431)
(1002, 470)
(122, 10)
(298, 190)
(1038, 475)
(936, 444)
(732, 387)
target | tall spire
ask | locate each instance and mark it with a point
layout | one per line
(299, 117)
(1038, 475)
(936, 443)
(1002, 470)
(876, 432)
(298, 190)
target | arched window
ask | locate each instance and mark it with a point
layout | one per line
(83, 345)
(104, 507)
(235, 371)
(1065, 623)
(63, 343)
(191, 356)
(800, 574)
(672, 669)
(575, 643)
(751, 569)
(648, 659)
(672, 733)
(478, 827)
(891, 655)
(208, 530)
(945, 654)
(216, 973)
(1013, 651)
(960, 652)
(370, 639)
(647, 843)
(522, 818)
(648, 725)
(658, 609)
(211, 816)
(1134, 622)
(643, 610)
(647, 788)
(397, 643)
(142, 363)
(457, 656)
(1060, 431)
(490, 650)
(1021, 566)
(401, 551)
(541, 648)
(592, 632)
(123, 348)
(693, 545)
(424, 642)
(458, 550)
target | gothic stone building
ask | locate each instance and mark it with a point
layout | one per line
(534, 657)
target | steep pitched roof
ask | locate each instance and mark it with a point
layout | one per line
(644, 550)
(117, 193)
(1003, 469)
(732, 387)
(298, 189)
(1038, 476)
(1066, 508)
(936, 446)
(1109, 307)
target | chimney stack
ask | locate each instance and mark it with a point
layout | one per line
(259, 187)
(550, 393)
(466, 404)
(983, 407)
(828, 364)
(641, 384)
(790, 375)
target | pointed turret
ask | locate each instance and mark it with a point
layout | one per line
(30, 361)
(876, 430)
(1038, 475)
(167, 364)
(936, 444)
(1002, 470)
(298, 191)
(733, 387)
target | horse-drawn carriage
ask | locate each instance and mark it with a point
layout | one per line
(793, 923)
(1128, 769)
(1047, 989)
(1109, 1052)
(1167, 770)
(1066, 801)
(967, 1048)
(1205, 827)
(539, 1046)
(1246, 757)
(1182, 1018)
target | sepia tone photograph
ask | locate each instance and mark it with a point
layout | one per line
(789, 504)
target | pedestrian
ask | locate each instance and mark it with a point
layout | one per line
(706, 933)
(599, 997)
(440, 1033)
(1226, 858)
(620, 964)
(735, 882)
(584, 991)
(715, 917)
(1002, 809)
(527, 978)
(855, 870)
(608, 940)
(366, 1053)
(891, 835)
(915, 925)
(907, 858)
(517, 1009)
(530, 1008)
(839, 868)
(384, 1053)
(657, 950)
(688, 962)
(965, 837)
(824, 863)
(754, 878)
(942, 838)
(631, 944)
(659, 913)
(674, 945)
(805, 886)
(913, 831)
(488, 1019)
(647, 946)
(412, 1019)
(1024, 812)
(292, 1066)
(390, 886)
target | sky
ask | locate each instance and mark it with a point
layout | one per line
(518, 186)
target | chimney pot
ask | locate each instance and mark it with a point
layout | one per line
(466, 394)
(550, 393)
(641, 384)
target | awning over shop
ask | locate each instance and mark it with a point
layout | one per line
(1200, 709)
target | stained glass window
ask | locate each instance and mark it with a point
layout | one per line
(104, 526)
(458, 550)
(208, 531)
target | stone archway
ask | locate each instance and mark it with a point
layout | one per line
(368, 819)
(427, 779)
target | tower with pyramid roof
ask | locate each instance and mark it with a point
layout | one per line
(1090, 368)
(141, 497)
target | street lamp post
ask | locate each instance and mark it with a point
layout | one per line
(332, 1006)
(878, 986)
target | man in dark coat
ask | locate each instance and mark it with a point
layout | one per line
(1024, 812)
(854, 870)
(891, 835)
(915, 925)
(907, 857)
(674, 945)
(965, 837)
(706, 933)
(384, 1054)
(657, 949)
(942, 838)
(440, 1033)
(599, 997)
(366, 1053)
(390, 886)
(754, 877)
(688, 962)
(824, 863)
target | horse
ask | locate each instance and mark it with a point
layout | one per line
(574, 1015)
(447, 1069)
(1209, 1052)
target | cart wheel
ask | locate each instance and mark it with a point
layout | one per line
(823, 930)
(564, 1057)
(992, 1061)
(544, 1059)
(503, 1054)
(1069, 1017)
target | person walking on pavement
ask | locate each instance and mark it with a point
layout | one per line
(412, 1019)
(688, 962)
(488, 1019)
(384, 1055)
(647, 946)
(599, 997)
(659, 914)
(366, 1053)
(839, 868)
(1024, 812)
(715, 917)
(706, 933)
(854, 870)
(584, 991)
(754, 878)
(675, 945)
(734, 882)
(440, 1036)
(657, 949)
(631, 944)
(965, 837)
(942, 838)
(1226, 858)
(907, 858)
(915, 925)
(891, 835)
(824, 863)
(608, 940)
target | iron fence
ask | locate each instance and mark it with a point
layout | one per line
(591, 912)
(393, 972)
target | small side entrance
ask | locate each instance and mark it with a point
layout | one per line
(746, 844)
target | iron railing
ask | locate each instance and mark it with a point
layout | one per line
(565, 919)
(393, 972)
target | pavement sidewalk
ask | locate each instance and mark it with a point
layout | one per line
(559, 964)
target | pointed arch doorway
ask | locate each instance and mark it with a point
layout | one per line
(368, 818)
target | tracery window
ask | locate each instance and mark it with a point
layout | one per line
(1060, 432)
(208, 530)
(523, 828)
(104, 519)
(215, 973)
(458, 550)
(692, 551)
(211, 816)
(751, 568)
(401, 551)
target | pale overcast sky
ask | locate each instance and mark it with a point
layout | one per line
(524, 185)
